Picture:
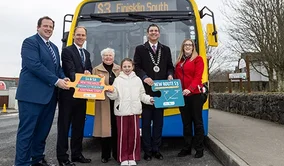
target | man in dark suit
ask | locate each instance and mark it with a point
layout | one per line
(40, 76)
(75, 59)
(153, 61)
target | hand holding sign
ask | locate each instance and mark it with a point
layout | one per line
(89, 87)
(171, 93)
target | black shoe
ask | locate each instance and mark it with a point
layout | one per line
(147, 157)
(114, 156)
(66, 163)
(42, 162)
(198, 154)
(104, 160)
(184, 153)
(81, 159)
(158, 155)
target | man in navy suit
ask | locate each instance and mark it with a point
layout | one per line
(75, 59)
(41, 75)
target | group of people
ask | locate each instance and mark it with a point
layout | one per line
(43, 82)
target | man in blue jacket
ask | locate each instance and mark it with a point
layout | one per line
(41, 75)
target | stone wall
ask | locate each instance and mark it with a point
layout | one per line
(223, 87)
(267, 106)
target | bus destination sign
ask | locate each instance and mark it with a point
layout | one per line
(135, 6)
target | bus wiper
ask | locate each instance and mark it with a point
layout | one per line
(100, 17)
(139, 16)
(162, 16)
(169, 19)
(114, 18)
(169, 16)
(94, 17)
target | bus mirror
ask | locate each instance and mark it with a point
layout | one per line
(64, 39)
(211, 35)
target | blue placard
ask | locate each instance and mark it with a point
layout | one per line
(171, 93)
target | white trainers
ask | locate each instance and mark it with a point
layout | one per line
(132, 162)
(124, 162)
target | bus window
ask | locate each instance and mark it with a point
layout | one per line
(123, 38)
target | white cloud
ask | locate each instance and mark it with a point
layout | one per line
(19, 20)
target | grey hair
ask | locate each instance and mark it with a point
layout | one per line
(106, 50)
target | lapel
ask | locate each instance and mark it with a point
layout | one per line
(148, 47)
(77, 55)
(55, 50)
(159, 46)
(115, 69)
(41, 42)
(101, 67)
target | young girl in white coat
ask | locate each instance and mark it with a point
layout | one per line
(128, 93)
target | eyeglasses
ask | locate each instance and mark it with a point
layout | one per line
(187, 45)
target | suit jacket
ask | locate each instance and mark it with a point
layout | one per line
(144, 65)
(72, 64)
(38, 74)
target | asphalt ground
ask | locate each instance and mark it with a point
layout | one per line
(91, 146)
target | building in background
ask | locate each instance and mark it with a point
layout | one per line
(7, 94)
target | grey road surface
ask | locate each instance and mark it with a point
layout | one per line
(91, 146)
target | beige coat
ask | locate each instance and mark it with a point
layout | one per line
(102, 124)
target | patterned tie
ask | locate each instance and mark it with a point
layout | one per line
(154, 48)
(52, 52)
(82, 56)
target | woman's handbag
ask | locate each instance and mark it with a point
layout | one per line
(204, 92)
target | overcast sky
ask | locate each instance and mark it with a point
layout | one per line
(19, 20)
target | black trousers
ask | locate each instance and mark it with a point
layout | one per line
(192, 112)
(109, 144)
(152, 138)
(71, 112)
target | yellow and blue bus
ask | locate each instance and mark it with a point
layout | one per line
(122, 24)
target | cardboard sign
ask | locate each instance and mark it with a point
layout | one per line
(171, 93)
(89, 87)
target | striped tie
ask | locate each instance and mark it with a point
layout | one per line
(82, 56)
(154, 48)
(52, 52)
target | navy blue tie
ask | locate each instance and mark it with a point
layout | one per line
(52, 52)
(82, 56)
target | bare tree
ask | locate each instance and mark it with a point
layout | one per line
(220, 75)
(257, 26)
(220, 58)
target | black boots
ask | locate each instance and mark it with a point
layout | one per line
(198, 154)
(184, 153)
